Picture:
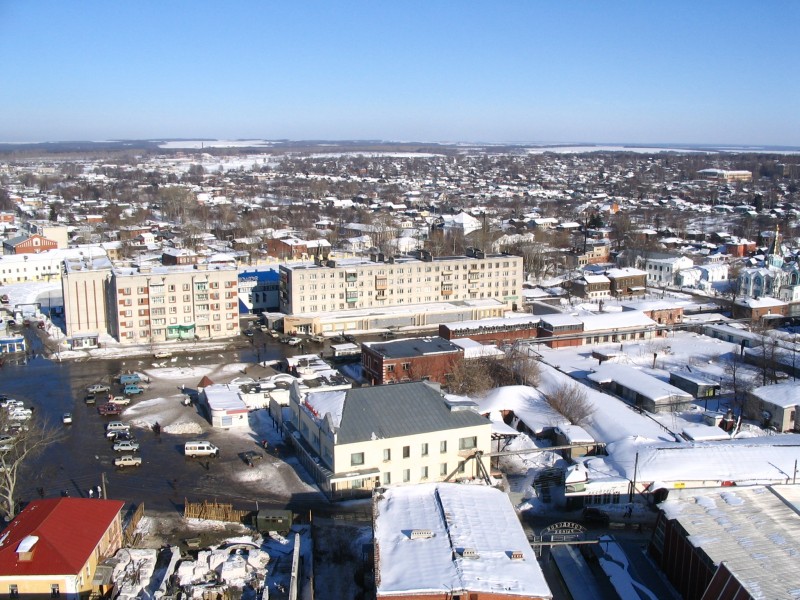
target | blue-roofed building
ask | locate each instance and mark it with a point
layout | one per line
(258, 290)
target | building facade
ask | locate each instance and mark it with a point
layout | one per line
(346, 284)
(352, 441)
(139, 305)
(411, 359)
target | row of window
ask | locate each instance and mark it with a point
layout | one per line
(400, 270)
(465, 443)
(423, 473)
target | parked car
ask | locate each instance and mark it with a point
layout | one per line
(6, 443)
(98, 388)
(66, 418)
(120, 436)
(294, 341)
(126, 446)
(20, 414)
(132, 389)
(248, 332)
(129, 378)
(121, 400)
(162, 354)
(317, 338)
(127, 460)
(116, 426)
(109, 409)
(90, 398)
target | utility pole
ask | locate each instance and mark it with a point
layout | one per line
(105, 496)
(633, 487)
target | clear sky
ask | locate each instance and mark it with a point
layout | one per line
(645, 71)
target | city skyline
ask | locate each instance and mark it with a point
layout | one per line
(714, 73)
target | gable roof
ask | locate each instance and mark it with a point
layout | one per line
(399, 410)
(68, 531)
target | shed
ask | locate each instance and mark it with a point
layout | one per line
(696, 385)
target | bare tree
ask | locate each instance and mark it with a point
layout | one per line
(24, 441)
(524, 368)
(737, 379)
(571, 400)
(470, 377)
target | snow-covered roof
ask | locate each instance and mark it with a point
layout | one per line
(754, 531)
(445, 537)
(768, 459)
(637, 381)
(473, 349)
(527, 403)
(575, 434)
(781, 394)
(609, 321)
(222, 396)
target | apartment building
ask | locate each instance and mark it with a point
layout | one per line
(147, 304)
(352, 441)
(342, 285)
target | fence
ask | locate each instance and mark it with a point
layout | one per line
(129, 537)
(215, 511)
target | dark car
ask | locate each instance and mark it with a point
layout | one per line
(90, 398)
(595, 515)
(109, 408)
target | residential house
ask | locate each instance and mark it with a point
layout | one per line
(661, 272)
(52, 548)
(627, 281)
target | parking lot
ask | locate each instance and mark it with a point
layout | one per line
(85, 456)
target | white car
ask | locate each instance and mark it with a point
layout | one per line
(293, 341)
(126, 446)
(98, 388)
(66, 418)
(114, 427)
(162, 354)
(128, 460)
(6, 443)
(121, 400)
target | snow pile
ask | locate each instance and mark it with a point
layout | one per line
(134, 570)
(183, 428)
(235, 567)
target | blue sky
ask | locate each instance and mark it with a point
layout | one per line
(620, 71)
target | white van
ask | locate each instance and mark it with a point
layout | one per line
(200, 448)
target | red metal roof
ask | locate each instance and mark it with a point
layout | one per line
(68, 529)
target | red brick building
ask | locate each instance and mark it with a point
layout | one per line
(756, 309)
(493, 331)
(28, 244)
(409, 359)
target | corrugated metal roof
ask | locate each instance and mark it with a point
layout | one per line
(753, 531)
(399, 410)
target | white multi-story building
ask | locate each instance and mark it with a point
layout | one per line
(663, 271)
(352, 441)
(147, 304)
(42, 266)
(342, 285)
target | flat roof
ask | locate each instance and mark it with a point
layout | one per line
(451, 519)
(410, 347)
